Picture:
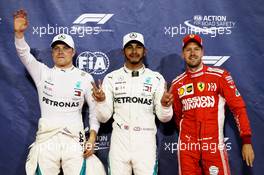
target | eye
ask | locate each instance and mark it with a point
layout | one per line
(56, 49)
(66, 47)
(129, 47)
(187, 49)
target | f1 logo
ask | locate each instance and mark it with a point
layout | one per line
(100, 18)
(215, 60)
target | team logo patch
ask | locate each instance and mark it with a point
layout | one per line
(62, 37)
(181, 91)
(189, 88)
(191, 35)
(147, 88)
(198, 102)
(211, 86)
(147, 85)
(148, 80)
(77, 92)
(213, 170)
(237, 93)
(201, 86)
(185, 90)
(78, 84)
(133, 36)
(77, 89)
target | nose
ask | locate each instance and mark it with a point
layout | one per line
(134, 50)
(60, 50)
(192, 52)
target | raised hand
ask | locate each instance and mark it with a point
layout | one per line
(20, 23)
(167, 98)
(98, 94)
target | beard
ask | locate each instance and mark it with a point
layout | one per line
(195, 63)
(134, 62)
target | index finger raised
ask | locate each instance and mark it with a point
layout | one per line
(100, 84)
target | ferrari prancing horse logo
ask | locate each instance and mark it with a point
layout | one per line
(201, 86)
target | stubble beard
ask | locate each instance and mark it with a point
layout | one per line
(135, 62)
(195, 64)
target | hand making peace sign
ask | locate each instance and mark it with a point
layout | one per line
(167, 98)
(98, 93)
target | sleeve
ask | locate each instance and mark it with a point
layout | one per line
(93, 122)
(32, 65)
(105, 109)
(236, 104)
(177, 105)
(163, 113)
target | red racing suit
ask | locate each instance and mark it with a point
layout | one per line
(199, 105)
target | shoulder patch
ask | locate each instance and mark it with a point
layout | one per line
(216, 70)
(179, 77)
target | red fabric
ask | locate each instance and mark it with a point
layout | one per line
(199, 105)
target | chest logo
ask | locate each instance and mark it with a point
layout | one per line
(201, 86)
(181, 91)
(186, 90)
(147, 85)
(77, 89)
(78, 84)
(211, 86)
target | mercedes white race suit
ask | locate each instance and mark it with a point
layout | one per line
(60, 137)
(134, 99)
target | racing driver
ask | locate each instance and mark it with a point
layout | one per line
(62, 90)
(200, 95)
(133, 94)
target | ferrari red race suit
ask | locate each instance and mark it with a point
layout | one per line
(199, 105)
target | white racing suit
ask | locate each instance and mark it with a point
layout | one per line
(60, 137)
(133, 101)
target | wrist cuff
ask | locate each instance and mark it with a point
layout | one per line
(246, 140)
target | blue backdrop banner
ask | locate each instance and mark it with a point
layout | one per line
(232, 33)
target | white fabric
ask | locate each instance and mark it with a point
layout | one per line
(61, 144)
(133, 36)
(67, 39)
(94, 166)
(133, 101)
(61, 92)
(54, 143)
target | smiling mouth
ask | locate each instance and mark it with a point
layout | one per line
(134, 56)
(193, 58)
